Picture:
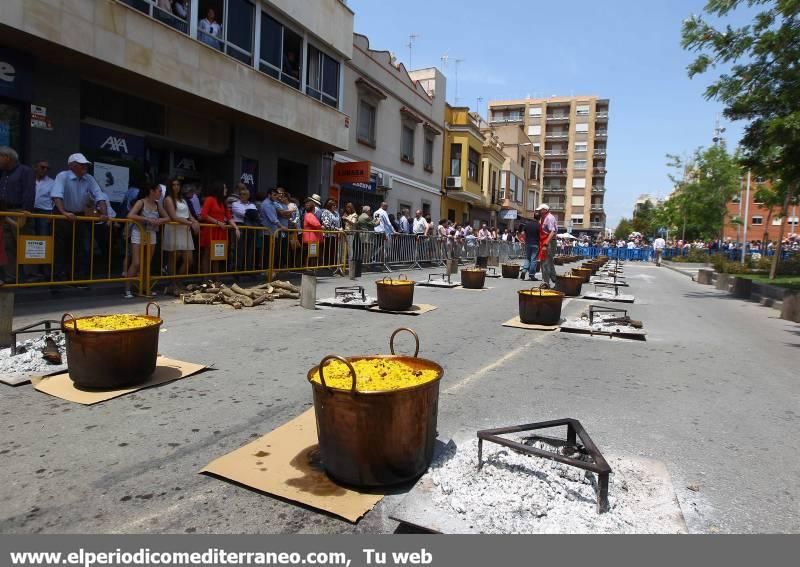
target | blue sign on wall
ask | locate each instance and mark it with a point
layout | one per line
(16, 76)
(124, 145)
(371, 187)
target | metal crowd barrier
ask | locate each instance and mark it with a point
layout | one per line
(289, 253)
(48, 250)
(403, 251)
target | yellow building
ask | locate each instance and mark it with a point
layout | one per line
(463, 147)
(492, 161)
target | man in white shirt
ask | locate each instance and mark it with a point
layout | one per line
(658, 246)
(43, 203)
(209, 30)
(421, 226)
(405, 227)
(384, 224)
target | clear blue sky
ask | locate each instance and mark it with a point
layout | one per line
(625, 50)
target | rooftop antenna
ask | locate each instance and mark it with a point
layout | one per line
(412, 39)
(718, 131)
(457, 63)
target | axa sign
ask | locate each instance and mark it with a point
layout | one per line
(115, 144)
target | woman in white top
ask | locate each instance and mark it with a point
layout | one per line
(245, 213)
(208, 30)
(149, 213)
(178, 242)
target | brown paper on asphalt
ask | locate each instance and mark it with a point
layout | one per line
(167, 370)
(516, 323)
(285, 463)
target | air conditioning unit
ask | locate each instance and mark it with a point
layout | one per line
(378, 178)
(387, 182)
(452, 183)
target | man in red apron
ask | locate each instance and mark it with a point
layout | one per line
(547, 244)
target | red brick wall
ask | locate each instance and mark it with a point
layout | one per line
(756, 232)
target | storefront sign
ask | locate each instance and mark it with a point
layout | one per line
(357, 172)
(508, 214)
(16, 78)
(112, 142)
(371, 187)
(185, 164)
(35, 249)
(39, 118)
(249, 175)
(113, 180)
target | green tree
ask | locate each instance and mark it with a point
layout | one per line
(623, 230)
(643, 218)
(759, 82)
(705, 183)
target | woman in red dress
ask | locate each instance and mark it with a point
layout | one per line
(312, 232)
(214, 212)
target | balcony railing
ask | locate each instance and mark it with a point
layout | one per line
(557, 135)
(602, 115)
(557, 117)
(598, 189)
(599, 152)
(601, 134)
(554, 189)
(556, 172)
(598, 225)
(506, 119)
(558, 207)
(549, 153)
(599, 170)
(597, 208)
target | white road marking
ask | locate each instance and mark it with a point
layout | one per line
(130, 526)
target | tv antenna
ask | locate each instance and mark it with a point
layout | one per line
(412, 39)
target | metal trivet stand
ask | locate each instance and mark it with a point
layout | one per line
(45, 326)
(614, 285)
(622, 314)
(350, 293)
(596, 463)
(445, 277)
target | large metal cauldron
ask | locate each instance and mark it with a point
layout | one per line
(111, 359)
(510, 271)
(472, 278)
(395, 295)
(570, 286)
(540, 306)
(584, 273)
(377, 439)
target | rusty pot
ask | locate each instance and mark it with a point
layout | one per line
(111, 359)
(510, 271)
(395, 295)
(584, 273)
(590, 266)
(570, 286)
(376, 439)
(472, 278)
(540, 306)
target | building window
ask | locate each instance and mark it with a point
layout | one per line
(581, 128)
(281, 50)
(427, 158)
(174, 14)
(239, 29)
(366, 122)
(534, 173)
(535, 111)
(582, 110)
(537, 148)
(777, 221)
(577, 220)
(580, 164)
(579, 183)
(407, 144)
(531, 200)
(534, 130)
(581, 146)
(322, 77)
(757, 221)
(455, 160)
(472, 166)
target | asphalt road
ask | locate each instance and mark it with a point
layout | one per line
(713, 393)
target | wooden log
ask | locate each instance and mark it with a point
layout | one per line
(285, 286)
(200, 298)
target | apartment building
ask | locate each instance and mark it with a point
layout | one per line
(234, 90)
(463, 201)
(523, 181)
(572, 135)
(396, 126)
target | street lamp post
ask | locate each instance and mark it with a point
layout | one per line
(746, 214)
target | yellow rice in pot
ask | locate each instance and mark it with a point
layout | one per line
(113, 323)
(374, 375)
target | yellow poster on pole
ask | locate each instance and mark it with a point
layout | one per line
(34, 249)
(219, 250)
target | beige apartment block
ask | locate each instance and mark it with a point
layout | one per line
(572, 135)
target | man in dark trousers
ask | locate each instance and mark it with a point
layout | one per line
(532, 236)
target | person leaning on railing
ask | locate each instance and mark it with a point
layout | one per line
(72, 189)
(214, 212)
(178, 241)
(312, 231)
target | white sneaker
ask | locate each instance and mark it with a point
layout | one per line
(128, 295)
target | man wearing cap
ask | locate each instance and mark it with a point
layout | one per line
(72, 190)
(547, 244)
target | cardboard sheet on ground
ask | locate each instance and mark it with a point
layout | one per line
(415, 310)
(167, 370)
(516, 323)
(283, 463)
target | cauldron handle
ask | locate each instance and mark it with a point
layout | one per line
(71, 318)
(385, 278)
(402, 277)
(416, 338)
(147, 309)
(340, 359)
